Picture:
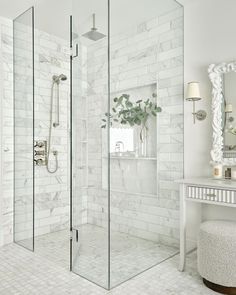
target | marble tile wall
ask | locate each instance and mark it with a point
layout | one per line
(23, 131)
(149, 54)
(6, 200)
(51, 190)
(52, 57)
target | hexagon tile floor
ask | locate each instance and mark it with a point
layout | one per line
(25, 273)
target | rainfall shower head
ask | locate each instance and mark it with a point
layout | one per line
(59, 78)
(93, 34)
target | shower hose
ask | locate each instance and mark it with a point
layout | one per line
(55, 153)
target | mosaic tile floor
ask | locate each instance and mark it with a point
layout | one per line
(129, 255)
(54, 247)
(25, 273)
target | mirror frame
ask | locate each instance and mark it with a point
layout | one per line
(215, 73)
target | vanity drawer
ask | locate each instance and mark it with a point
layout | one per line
(211, 194)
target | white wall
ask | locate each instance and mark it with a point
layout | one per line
(210, 29)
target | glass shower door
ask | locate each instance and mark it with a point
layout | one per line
(89, 103)
(23, 29)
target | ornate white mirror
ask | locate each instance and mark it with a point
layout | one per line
(223, 78)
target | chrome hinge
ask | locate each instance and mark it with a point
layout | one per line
(76, 236)
(76, 51)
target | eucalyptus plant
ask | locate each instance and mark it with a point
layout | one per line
(126, 112)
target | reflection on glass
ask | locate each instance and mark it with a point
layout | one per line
(121, 140)
(229, 112)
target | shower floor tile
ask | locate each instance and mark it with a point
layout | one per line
(55, 247)
(129, 255)
(25, 273)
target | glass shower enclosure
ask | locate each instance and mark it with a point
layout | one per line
(125, 134)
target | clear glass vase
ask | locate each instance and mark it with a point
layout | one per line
(142, 141)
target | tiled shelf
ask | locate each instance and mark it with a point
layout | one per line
(134, 158)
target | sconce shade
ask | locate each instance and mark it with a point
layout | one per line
(193, 91)
(228, 108)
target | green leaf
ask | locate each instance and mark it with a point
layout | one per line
(154, 95)
(104, 120)
(154, 113)
(137, 121)
(120, 100)
(139, 101)
(115, 99)
(129, 104)
(103, 126)
(159, 109)
(114, 110)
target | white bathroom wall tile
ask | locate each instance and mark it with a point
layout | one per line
(57, 56)
(147, 61)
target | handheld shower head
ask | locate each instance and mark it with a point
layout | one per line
(57, 79)
(63, 77)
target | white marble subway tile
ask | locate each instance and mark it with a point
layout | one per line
(152, 23)
(163, 28)
(171, 15)
(171, 54)
(174, 72)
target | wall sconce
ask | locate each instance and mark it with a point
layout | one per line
(193, 94)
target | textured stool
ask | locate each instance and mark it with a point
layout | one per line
(217, 255)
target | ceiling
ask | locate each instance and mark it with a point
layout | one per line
(52, 16)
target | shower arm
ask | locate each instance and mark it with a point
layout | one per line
(94, 22)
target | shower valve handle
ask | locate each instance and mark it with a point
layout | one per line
(39, 144)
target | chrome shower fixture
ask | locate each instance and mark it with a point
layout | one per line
(93, 34)
(58, 79)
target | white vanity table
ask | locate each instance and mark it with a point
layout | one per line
(209, 190)
(202, 190)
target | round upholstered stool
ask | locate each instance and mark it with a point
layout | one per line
(217, 255)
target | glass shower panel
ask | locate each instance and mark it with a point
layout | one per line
(90, 244)
(146, 146)
(24, 129)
